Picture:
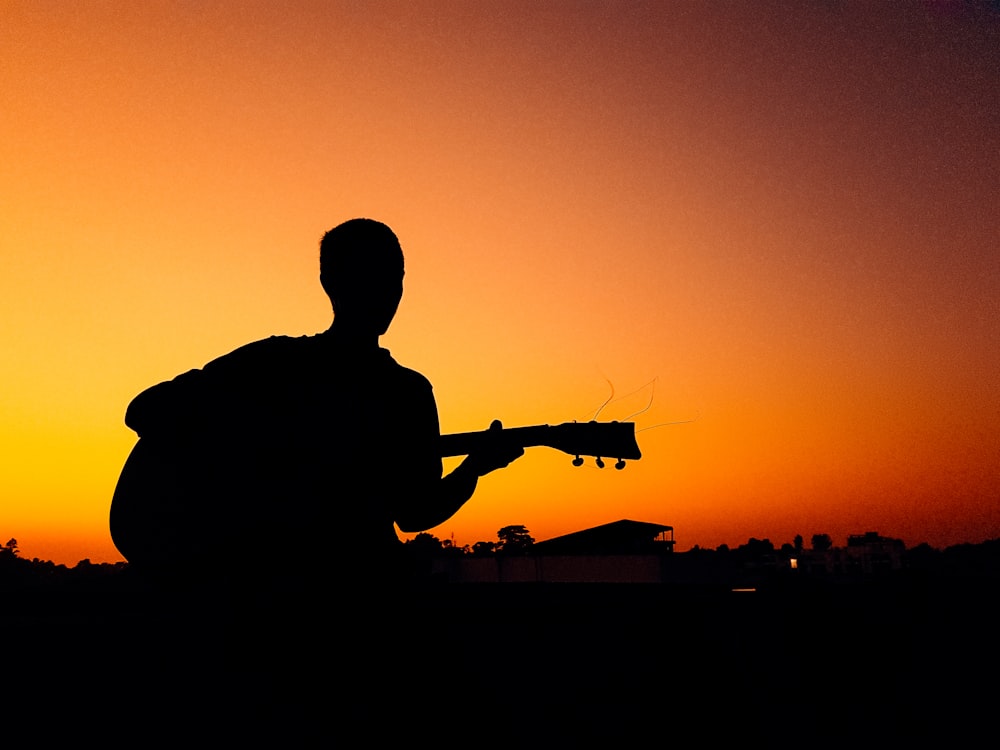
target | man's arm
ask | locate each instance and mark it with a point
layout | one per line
(163, 408)
(438, 503)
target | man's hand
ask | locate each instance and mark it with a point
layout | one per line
(497, 452)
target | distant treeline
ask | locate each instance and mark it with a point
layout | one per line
(977, 560)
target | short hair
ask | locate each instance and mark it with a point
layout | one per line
(358, 254)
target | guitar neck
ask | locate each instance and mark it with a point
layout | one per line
(607, 439)
(464, 443)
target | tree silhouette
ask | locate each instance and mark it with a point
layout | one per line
(821, 542)
(424, 543)
(514, 539)
(9, 561)
(481, 549)
(451, 549)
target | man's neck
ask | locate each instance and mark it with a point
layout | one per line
(353, 337)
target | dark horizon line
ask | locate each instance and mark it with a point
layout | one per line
(11, 553)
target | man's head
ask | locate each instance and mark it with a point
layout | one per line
(361, 270)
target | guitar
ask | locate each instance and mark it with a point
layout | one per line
(161, 511)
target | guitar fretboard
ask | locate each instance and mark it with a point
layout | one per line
(601, 439)
(464, 443)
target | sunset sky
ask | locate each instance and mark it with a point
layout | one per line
(780, 221)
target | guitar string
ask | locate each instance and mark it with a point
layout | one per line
(652, 385)
(652, 392)
(667, 424)
(609, 400)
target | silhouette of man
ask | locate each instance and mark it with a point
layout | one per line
(299, 454)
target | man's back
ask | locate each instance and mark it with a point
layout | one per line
(280, 447)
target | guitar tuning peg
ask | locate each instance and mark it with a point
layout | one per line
(578, 461)
(620, 464)
(600, 463)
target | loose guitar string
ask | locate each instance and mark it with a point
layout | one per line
(652, 386)
(667, 424)
(609, 400)
(606, 401)
(652, 391)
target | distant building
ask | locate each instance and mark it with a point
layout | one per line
(619, 552)
(629, 551)
(617, 538)
(871, 554)
(866, 554)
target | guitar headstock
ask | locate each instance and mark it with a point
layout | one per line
(599, 439)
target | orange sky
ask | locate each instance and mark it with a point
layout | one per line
(788, 218)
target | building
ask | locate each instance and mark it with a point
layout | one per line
(865, 555)
(617, 538)
(623, 551)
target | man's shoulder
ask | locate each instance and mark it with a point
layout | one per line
(268, 349)
(293, 353)
(405, 375)
(272, 344)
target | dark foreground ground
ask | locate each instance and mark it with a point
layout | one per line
(517, 665)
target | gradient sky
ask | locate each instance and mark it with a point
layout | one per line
(778, 221)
